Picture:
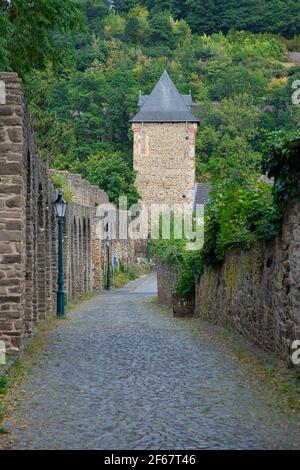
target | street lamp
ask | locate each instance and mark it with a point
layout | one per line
(60, 210)
(108, 264)
(149, 250)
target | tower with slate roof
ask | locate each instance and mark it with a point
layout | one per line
(164, 145)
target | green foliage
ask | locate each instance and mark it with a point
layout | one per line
(281, 161)
(87, 110)
(123, 276)
(161, 30)
(209, 16)
(95, 11)
(57, 180)
(30, 33)
(224, 147)
(60, 183)
(83, 91)
(293, 44)
(189, 264)
(111, 173)
(114, 26)
(238, 215)
(137, 26)
(190, 270)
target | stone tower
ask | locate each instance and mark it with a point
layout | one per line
(164, 145)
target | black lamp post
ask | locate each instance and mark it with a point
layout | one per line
(149, 250)
(108, 264)
(60, 210)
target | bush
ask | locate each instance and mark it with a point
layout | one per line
(122, 277)
(293, 44)
(281, 161)
(238, 216)
(60, 183)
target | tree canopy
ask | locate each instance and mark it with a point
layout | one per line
(84, 63)
(210, 16)
(32, 32)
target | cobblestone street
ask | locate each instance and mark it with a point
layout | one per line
(122, 373)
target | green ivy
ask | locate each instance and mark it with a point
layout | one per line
(281, 162)
(239, 216)
(241, 213)
(60, 183)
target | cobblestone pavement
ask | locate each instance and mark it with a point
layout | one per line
(122, 373)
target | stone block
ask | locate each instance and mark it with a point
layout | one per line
(11, 259)
(13, 225)
(7, 147)
(6, 110)
(15, 168)
(8, 189)
(10, 235)
(15, 134)
(12, 202)
(14, 299)
(10, 120)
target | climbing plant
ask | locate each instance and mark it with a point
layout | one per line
(281, 162)
(240, 214)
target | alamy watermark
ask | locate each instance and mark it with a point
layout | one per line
(2, 92)
(2, 353)
(296, 354)
(157, 221)
(296, 94)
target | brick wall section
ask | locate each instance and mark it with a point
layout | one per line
(28, 228)
(164, 159)
(167, 276)
(257, 292)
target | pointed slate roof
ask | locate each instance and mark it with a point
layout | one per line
(165, 104)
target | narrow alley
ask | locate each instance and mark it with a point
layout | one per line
(121, 372)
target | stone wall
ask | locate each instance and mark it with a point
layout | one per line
(28, 228)
(167, 276)
(257, 291)
(164, 159)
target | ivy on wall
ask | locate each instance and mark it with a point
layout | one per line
(240, 214)
(281, 161)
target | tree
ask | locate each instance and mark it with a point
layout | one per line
(210, 16)
(236, 80)
(204, 16)
(175, 7)
(137, 25)
(224, 145)
(114, 26)
(31, 32)
(95, 11)
(110, 172)
(5, 31)
(161, 31)
(86, 108)
(123, 6)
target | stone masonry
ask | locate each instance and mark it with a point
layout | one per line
(257, 291)
(164, 159)
(28, 228)
(164, 132)
(167, 277)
